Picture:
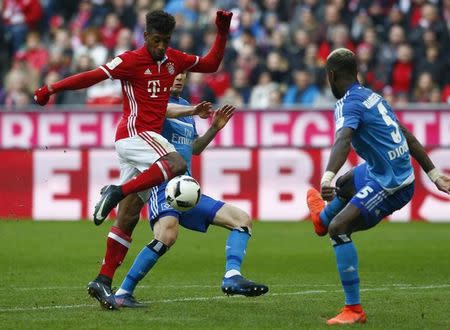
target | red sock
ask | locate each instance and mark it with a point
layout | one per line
(155, 175)
(117, 246)
(356, 308)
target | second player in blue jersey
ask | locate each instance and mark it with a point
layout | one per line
(381, 185)
(165, 220)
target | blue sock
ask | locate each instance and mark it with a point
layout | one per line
(235, 249)
(144, 261)
(331, 210)
(347, 264)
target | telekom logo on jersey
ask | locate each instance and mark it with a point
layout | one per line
(154, 86)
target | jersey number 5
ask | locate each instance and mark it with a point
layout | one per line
(396, 136)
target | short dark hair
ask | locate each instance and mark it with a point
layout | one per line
(342, 61)
(159, 21)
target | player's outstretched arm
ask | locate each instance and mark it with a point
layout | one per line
(221, 118)
(211, 61)
(78, 81)
(338, 156)
(203, 110)
(418, 152)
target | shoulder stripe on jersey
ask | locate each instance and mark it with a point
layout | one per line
(177, 121)
(147, 138)
(195, 63)
(133, 109)
(106, 71)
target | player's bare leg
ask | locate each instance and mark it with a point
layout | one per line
(167, 167)
(118, 242)
(165, 235)
(240, 224)
(340, 229)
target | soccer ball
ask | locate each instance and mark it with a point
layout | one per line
(183, 193)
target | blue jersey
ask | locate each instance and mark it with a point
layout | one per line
(377, 137)
(181, 132)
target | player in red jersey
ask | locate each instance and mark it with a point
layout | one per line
(146, 158)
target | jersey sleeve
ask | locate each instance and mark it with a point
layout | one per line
(349, 115)
(185, 61)
(121, 67)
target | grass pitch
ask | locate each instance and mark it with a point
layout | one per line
(404, 270)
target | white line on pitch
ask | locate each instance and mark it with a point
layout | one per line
(188, 299)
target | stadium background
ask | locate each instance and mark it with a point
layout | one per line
(56, 158)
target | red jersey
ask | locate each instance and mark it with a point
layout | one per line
(146, 87)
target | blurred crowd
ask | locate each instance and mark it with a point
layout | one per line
(275, 56)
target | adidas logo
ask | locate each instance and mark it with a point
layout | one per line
(147, 71)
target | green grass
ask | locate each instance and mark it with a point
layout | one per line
(404, 270)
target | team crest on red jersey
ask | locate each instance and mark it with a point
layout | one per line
(170, 68)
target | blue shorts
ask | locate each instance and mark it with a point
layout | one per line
(373, 201)
(198, 218)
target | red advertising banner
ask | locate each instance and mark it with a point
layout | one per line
(269, 183)
(312, 128)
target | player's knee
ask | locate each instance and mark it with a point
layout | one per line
(168, 234)
(177, 164)
(245, 220)
(336, 228)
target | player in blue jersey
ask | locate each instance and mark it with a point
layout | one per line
(165, 221)
(381, 185)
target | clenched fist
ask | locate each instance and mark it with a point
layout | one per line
(223, 19)
(42, 95)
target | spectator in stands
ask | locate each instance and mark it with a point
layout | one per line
(34, 53)
(360, 24)
(124, 41)
(196, 90)
(110, 30)
(401, 76)
(232, 96)
(432, 64)
(325, 97)
(92, 46)
(338, 38)
(186, 42)
(423, 88)
(297, 47)
(278, 67)
(15, 86)
(124, 10)
(260, 96)
(388, 51)
(218, 81)
(241, 85)
(302, 92)
(366, 66)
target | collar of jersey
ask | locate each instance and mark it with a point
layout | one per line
(356, 84)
